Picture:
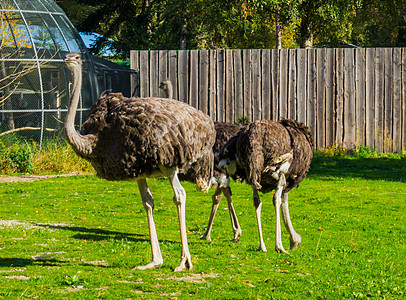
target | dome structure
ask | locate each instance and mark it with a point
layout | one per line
(34, 81)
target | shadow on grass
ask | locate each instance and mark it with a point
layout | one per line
(367, 168)
(23, 262)
(97, 234)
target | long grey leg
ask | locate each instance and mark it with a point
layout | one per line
(180, 202)
(294, 237)
(148, 203)
(233, 215)
(277, 201)
(216, 198)
(258, 206)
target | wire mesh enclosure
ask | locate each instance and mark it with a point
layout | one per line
(34, 81)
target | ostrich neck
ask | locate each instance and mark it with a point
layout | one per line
(169, 91)
(82, 144)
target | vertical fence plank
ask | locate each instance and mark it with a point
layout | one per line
(330, 97)
(203, 86)
(229, 96)
(162, 69)
(339, 99)
(134, 65)
(266, 84)
(403, 67)
(256, 85)
(397, 103)
(379, 86)
(220, 85)
(283, 83)
(153, 73)
(387, 142)
(360, 96)
(194, 79)
(172, 70)
(349, 98)
(292, 85)
(238, 84)
(144, 73)
(301, 85)
(183, 75)
(275, 84)
(369, 97)
(247, 84)
(321, 97)
(311, 92)
(213, 86)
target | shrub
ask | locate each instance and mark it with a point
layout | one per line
(17, 158)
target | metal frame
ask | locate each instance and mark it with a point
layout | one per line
(43, 10)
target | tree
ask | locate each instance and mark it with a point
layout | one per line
(380, 23)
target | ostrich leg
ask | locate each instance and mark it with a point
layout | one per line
(258, 206)
(277, 201)
(294, 237)
(180, 201)
(216, 198)
(233, 215)
(148, 203)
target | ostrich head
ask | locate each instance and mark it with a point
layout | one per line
(73, 61)
(228, 157)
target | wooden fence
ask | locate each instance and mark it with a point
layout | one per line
(345, 96)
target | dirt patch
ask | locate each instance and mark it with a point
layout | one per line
(194, 278)
(29, 178)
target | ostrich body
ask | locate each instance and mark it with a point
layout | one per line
(136, 138)
(221, 181)
(271, 156)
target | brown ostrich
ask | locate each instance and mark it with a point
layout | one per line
(220, 180)
(137, 138)
(270, 156)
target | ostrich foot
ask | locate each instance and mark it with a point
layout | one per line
(151, 265)
(295, 241)
(206, 237)
(237, 235)
(262, 248)
(280, 249)
(185, 263)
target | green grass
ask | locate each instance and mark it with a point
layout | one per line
(80, 237)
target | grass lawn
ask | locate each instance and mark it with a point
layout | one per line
(79, 238)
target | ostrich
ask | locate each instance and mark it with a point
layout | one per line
(270, 156)
(137, 138)
(221, 182)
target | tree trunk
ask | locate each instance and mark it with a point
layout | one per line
(306, 26)
(182, 38)
(278, 31)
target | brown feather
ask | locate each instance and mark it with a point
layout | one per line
(261, 143)
(137, 136)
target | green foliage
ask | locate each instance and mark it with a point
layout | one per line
(16, 157)
(55, 156)
(243, 120)
(80, 237)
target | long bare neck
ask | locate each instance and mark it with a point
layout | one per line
(82, 144)
(76, 75)
(169, 90)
